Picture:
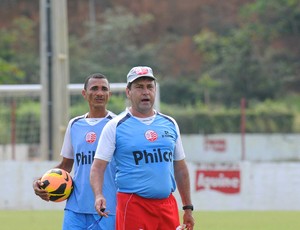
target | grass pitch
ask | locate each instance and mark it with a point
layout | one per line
(240, 220)
(248, 220)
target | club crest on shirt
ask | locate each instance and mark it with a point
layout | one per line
(90, 137)
(151, 135)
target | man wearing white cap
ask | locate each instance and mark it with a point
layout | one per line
(149, 155)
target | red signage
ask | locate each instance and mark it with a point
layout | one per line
(217, 145)
(225, 181)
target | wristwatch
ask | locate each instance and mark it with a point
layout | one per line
(188, 207)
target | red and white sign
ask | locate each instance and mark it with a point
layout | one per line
(225, 181)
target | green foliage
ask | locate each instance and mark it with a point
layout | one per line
(78, 109)
(4, 126)
(9, 72)
(256, 58)
(233, 64)
(18, 53)
(185, 92)
(273, 18)
(245, 61)
(260, 119)
(117, 104)
(28, 120)
(24, 118)
(27, 115)
(267, 117)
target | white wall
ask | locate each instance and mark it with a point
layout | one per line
(230, 186)
(228, 147)
(266, 180)
(16, 178)
(245, 186)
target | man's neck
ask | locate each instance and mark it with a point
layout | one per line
(139, 114)
(97, 114)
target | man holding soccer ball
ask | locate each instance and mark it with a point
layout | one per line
(149, 156)
(78, 149)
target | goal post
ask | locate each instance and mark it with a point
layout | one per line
(12, 97)
(26, 132)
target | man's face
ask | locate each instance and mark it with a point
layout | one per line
(97, 93)
(142, 95)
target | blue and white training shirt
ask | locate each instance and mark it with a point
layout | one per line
(144, 151)
(80, 143)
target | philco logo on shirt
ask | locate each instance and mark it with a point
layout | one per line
(90, 137)
(85, 158)
(151, 135)
(152, 157)
(157, 155)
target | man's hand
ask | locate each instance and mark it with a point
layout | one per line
(37, 187)
(100, 205)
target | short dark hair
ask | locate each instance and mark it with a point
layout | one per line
(94, 75)
(129, 85)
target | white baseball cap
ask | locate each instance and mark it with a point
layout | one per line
(139, 71)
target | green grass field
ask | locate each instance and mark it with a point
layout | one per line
(242, 220)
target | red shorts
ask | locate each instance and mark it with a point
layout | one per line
(138, 213)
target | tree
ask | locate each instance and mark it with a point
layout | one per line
(246, 60)
(9, 73)
(111, 46)
(275, 26)
(18, 53)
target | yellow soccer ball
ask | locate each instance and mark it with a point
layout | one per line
(58, 183)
